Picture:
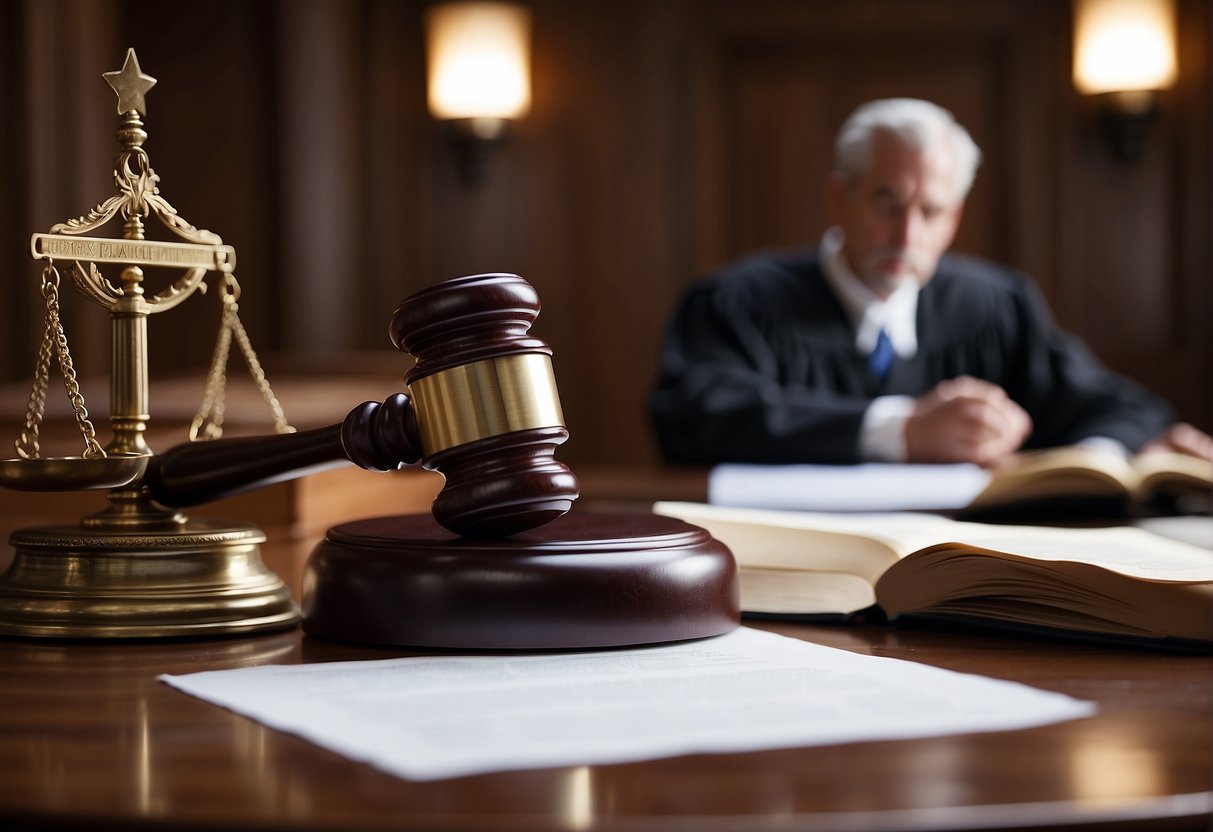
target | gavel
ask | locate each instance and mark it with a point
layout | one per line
(481, 409)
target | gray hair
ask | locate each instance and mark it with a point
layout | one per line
(916, 123)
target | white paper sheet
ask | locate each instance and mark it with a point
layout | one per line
(872, 486)
(435, 717)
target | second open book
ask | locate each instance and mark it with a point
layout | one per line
(1121, 582)
(1070, 477)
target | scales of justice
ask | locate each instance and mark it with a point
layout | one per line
(499, 563)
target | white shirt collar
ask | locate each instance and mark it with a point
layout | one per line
(869, 313)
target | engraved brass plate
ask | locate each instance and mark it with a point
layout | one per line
(486, 398)
(219, 258)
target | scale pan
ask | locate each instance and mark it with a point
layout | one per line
(72, 473)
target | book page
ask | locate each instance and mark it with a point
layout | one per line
(1160, 469)
(1073, 470)
(1194, 529)
(451, 716)
(1125, 550)
(785, 591)
(864, 543)
(867, 487)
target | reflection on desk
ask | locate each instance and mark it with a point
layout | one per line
(87, 735)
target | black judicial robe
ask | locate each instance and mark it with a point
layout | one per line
(759, 364)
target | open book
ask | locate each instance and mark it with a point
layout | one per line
(1082, 472)
(1075, 478)
(1121, 582)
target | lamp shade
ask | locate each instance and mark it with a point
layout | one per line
(1124, 45)
(478, 60)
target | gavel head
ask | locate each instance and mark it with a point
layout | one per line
(487, 411)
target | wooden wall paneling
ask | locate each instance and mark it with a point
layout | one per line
(621, 112)
(642, 229)
(1193, 391)
(211, 127)
(1131, 282)
(1039, 99)
(1136, 259)
(398, 222)
(90, 154)
(353, 178)
(1119, 229)
(542, 191)
(706, 146)
(61, 126)
(19, 323)
(566, 123)
(777, 149)
(321, 133)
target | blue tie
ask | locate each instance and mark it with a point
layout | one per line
(881, 357)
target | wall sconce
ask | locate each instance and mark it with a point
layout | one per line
(1124, 53)
(478, 56)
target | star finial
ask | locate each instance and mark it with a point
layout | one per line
(130, 84)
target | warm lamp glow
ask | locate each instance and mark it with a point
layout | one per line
(478, 60)
(1123, 45)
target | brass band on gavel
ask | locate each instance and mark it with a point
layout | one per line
(486, 398)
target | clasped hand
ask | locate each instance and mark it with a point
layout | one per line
(965, 419)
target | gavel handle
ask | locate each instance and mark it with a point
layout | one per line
(378, 437)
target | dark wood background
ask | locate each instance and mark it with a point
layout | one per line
(666, 136)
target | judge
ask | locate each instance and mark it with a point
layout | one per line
(880, 346)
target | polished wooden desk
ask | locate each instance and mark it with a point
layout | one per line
(89, 738)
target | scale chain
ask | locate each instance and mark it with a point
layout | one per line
(54, 341)
(208, 423)
(27, 443)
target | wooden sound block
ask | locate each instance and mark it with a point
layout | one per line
(584, 580)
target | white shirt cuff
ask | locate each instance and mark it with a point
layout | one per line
(1105, 444)
(882, 436)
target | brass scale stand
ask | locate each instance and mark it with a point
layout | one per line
(138, 570)
(135, 569)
